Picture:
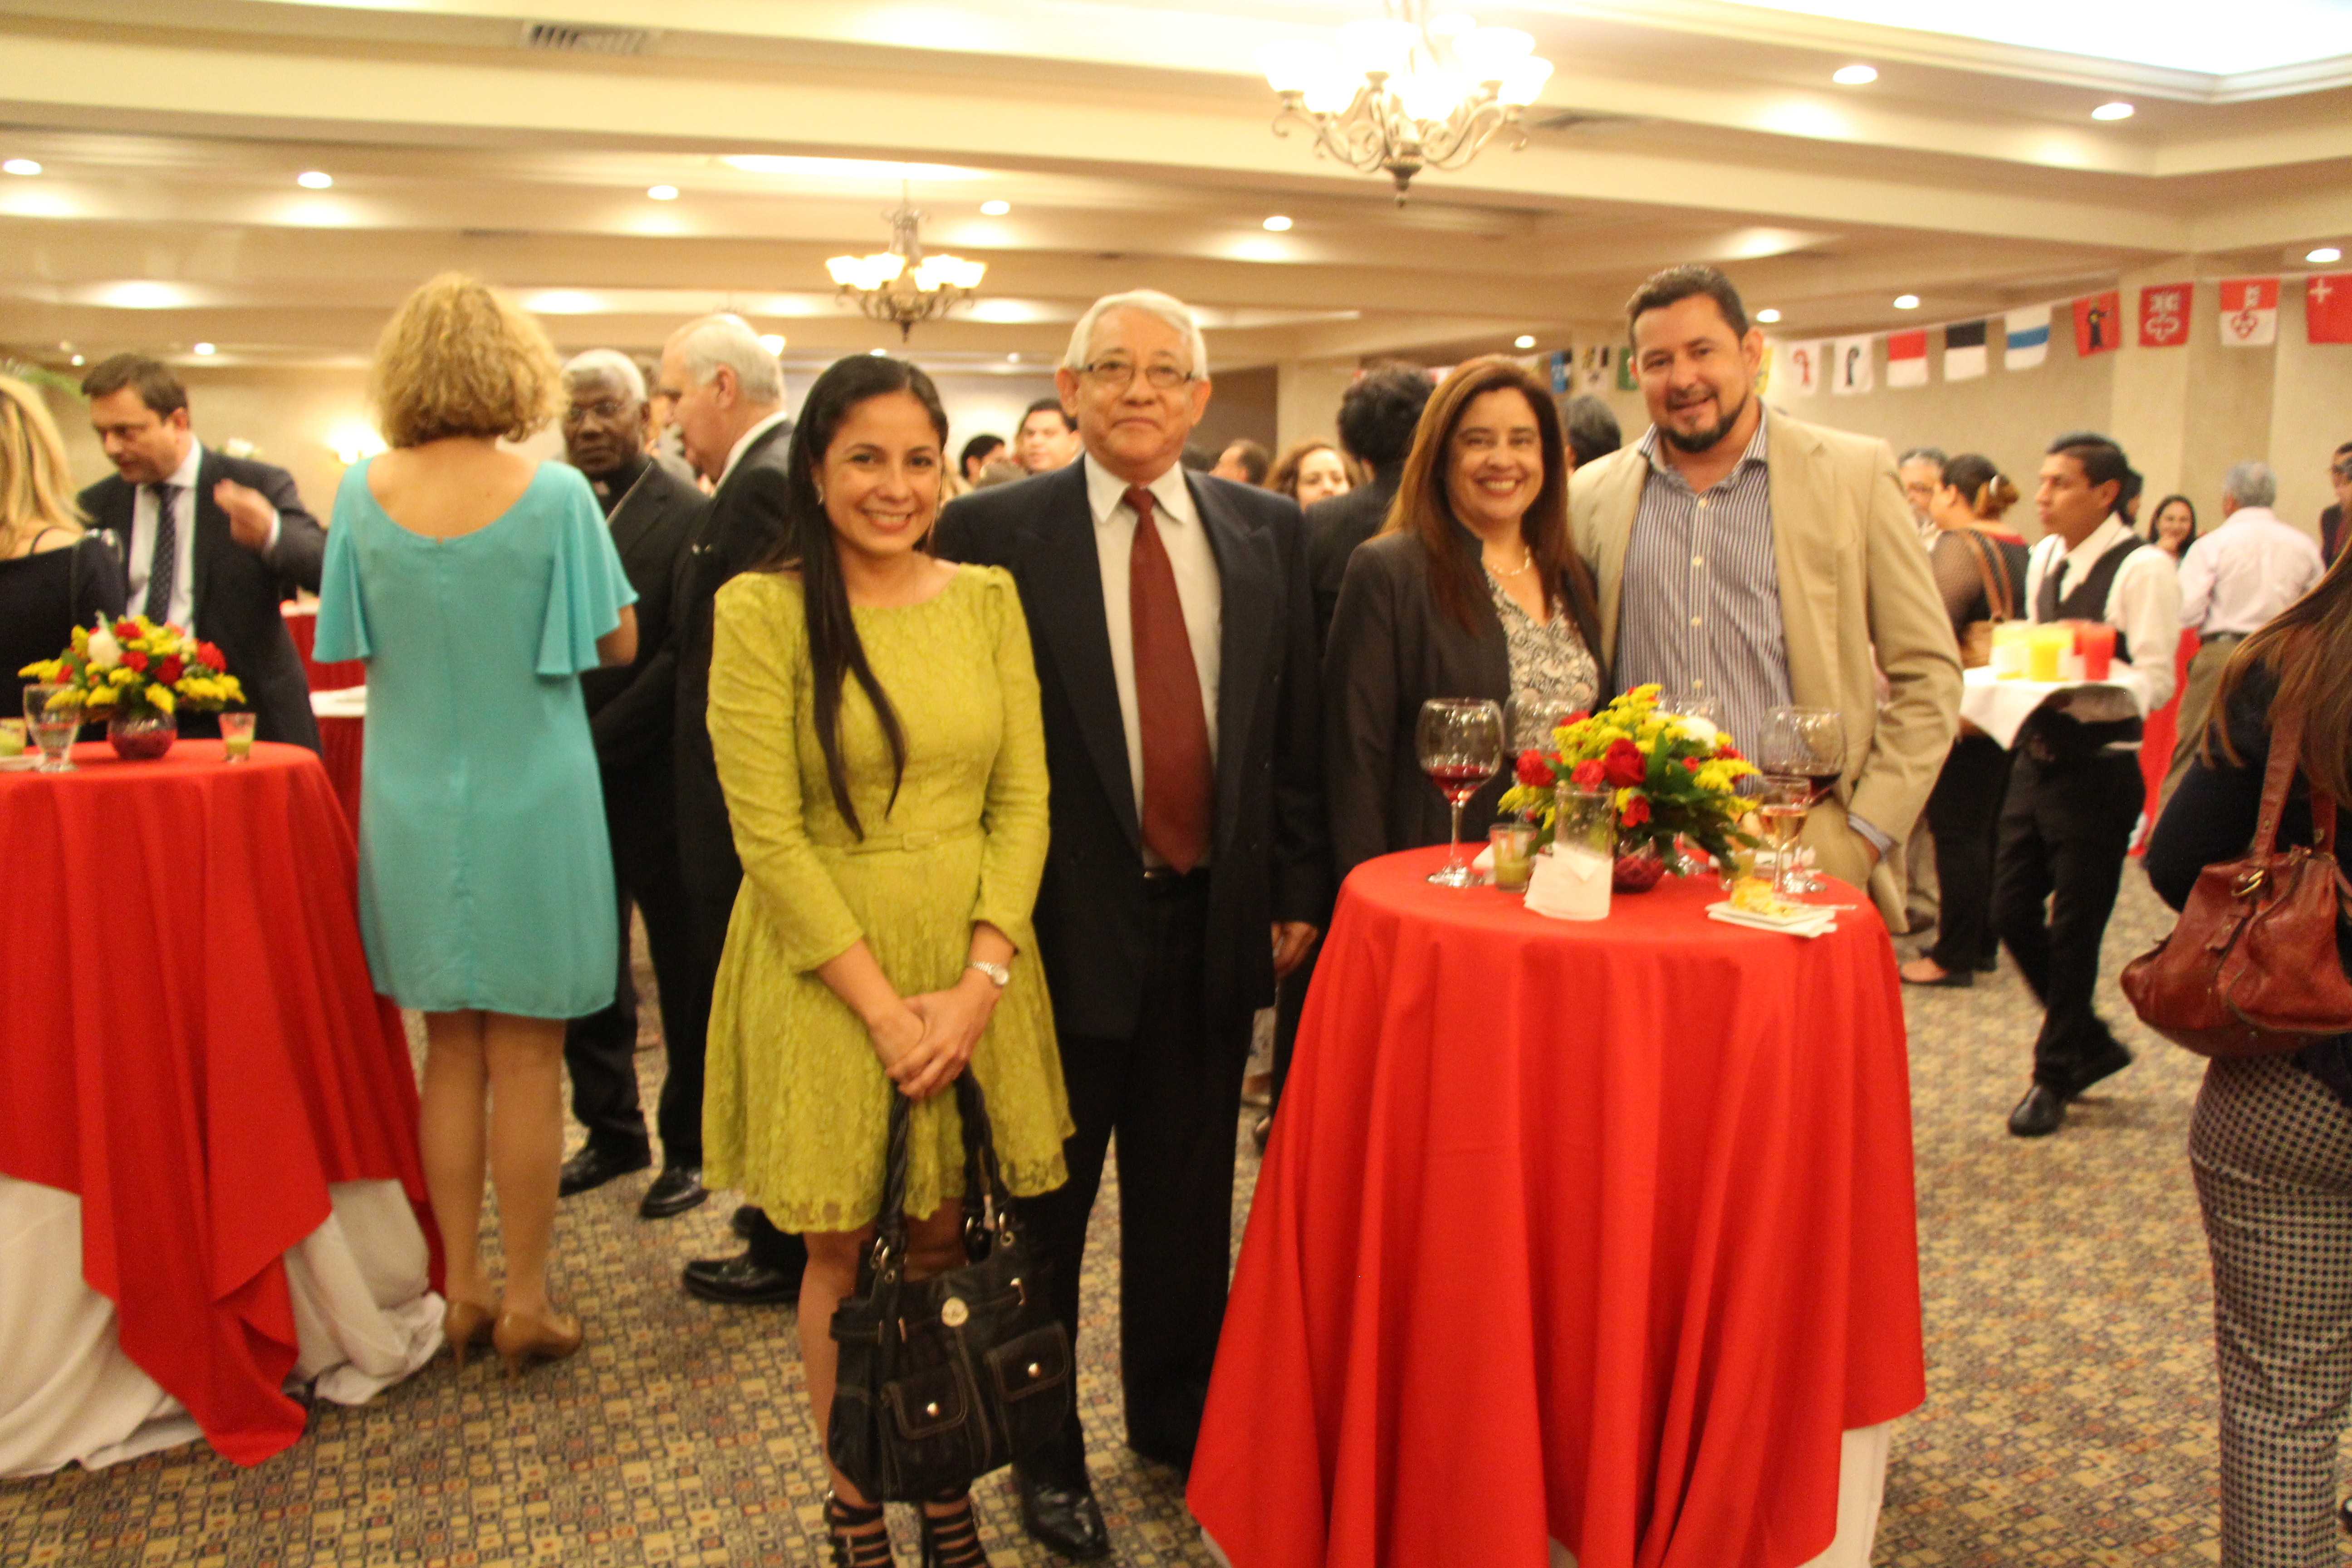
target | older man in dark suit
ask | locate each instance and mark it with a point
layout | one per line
(1175, 647)
(213, 543)
(653, 519)
(727, 396)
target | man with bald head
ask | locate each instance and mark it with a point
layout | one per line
(728, 403)
(653, 519)
(1174, 635)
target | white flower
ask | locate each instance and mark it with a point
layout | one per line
(105, 653)
(1700, 732)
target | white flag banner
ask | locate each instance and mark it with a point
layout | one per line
(1797, 369)
(2028, 341)
(2249, 313)
(1850, 368)
(1964, 351)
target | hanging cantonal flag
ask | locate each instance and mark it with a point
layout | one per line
(1798, 372)
(1850, 366)
(2098, 327)
(1906, 358)
(2327, 308)
(2029, 337)
(1964, 351)
(2249, 313)
(2164, 315)
(1558, 366)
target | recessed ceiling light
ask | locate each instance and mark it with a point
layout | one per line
(314, 178)
(1767, 315)
(662, 192)
(772, 342)
(1854, 75)
(76, 360)
(879, 353)
(1277, 224)
(1524, 340)
(2116, 110)
(1012, 359)
(205, 348)
(996, 209)
(1906, 301)
(2324, 253)
(21, 166)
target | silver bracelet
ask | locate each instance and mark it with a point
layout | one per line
(1001, 976)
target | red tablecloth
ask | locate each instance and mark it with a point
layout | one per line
(1596, 1232)
(195, 1047)
(343, 747)
(302, 625)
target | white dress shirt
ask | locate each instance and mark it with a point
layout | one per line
(2143, 604)
(2246, 571)
(735, 453)
(1197, 588)
(181, 612)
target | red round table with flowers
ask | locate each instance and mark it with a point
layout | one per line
(195, 1048)
(1596, 1233)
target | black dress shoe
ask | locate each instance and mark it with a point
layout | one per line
(677, 1189)
(1063, 1518)
(739, 1222)
(592, 1167)
(1989, 964)
(741, 1282)
(2039, 1114)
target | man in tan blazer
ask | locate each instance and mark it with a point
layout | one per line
(1749, 558)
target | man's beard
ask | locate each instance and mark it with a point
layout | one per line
(1705, 440)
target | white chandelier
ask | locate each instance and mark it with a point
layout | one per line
(901, 285)
(1407, 91)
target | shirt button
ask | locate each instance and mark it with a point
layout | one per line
(1695, 620)
(1698, 561)
(1702, 503)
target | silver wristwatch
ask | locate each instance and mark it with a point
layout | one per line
(1000, 975)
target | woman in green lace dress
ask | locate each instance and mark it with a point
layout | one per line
(873, 713)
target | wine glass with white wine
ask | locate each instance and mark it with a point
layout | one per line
(1808, 744)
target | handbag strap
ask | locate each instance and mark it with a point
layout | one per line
(1999, 603)
(2286, 762)
(986, 1213)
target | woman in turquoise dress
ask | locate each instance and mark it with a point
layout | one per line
(874, 713)
(478, 584)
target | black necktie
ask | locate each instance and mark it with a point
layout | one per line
(164, 564)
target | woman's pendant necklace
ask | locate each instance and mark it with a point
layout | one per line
(1526, 565)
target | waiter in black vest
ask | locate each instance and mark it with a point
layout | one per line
(2074, 788)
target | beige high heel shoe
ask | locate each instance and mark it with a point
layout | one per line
(465, 1324)
(548, 1335)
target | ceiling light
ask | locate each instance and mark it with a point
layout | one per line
(772, 342)
(1524, 340)
(1012, 359)
(21, 166)
(1906, 301)
(1854, 75)
(314, 178)
(2116, 110)
(879, 353)
(204, 349)
(76, 360)
(662, 192)
(902, 285)
(1277, 224)
(2324, 253)
(1767, 315)
(996, 209)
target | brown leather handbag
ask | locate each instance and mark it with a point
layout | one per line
(2251, 968)
(1976, 638)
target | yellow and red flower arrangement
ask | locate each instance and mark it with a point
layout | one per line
(135, 667)
(1674, 775)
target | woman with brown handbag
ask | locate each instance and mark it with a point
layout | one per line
(2271, 1138)
(1979, 569)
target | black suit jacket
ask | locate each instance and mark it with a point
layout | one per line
(630, 708)
(1334, 528)
(742, 525)
(236, 591)
(1392, 648)
(1268, 860)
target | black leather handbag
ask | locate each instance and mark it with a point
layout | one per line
(945, 1379)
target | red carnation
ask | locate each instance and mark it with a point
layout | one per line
(1579, 717)
(1725, 753)
(136, 662)
(170, 671)
(1636, 812)
(1585, 776)
(1534, 772)
(126, 630)
(1690, 765)
(1623, 765)
(210, 657)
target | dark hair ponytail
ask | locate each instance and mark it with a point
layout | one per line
(836, 651)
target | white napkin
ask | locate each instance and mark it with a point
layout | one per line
(1483, 862)
(1815, 922)
(1570, 885)
(346, 702)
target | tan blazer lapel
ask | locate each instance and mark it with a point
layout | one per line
(1616, 496)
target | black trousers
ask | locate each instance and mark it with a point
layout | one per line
(601, 1049)
(1173, 1093)
(2065, 826)
(1963, 817)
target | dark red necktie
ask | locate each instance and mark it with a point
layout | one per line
(1178, 780)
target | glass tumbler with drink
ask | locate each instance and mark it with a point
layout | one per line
(237, 737)
(1460, 741)
(54, 715)
(1809, 743)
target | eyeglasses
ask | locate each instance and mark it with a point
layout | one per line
(608, 409)
(1120, 373)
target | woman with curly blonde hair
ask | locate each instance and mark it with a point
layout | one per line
(478, 584)
(53, 575)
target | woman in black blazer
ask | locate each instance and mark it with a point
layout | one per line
(1470, 590)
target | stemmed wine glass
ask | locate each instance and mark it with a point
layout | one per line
(1531, 720)
(1460, 740)
(1810, 743)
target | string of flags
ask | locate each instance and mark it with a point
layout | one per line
(2246, 317)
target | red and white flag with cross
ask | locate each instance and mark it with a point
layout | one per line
(2249, 313)
(2164, 315)
(2327, 308)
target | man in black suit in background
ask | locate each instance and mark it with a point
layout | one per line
(1378, 414)
(212, 543)
(728, 397)
(653, 519)
(1174, 636)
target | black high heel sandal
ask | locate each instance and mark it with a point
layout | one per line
(952, 1540)
(859, 1537)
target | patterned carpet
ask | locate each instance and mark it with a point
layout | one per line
(2069, 1418)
